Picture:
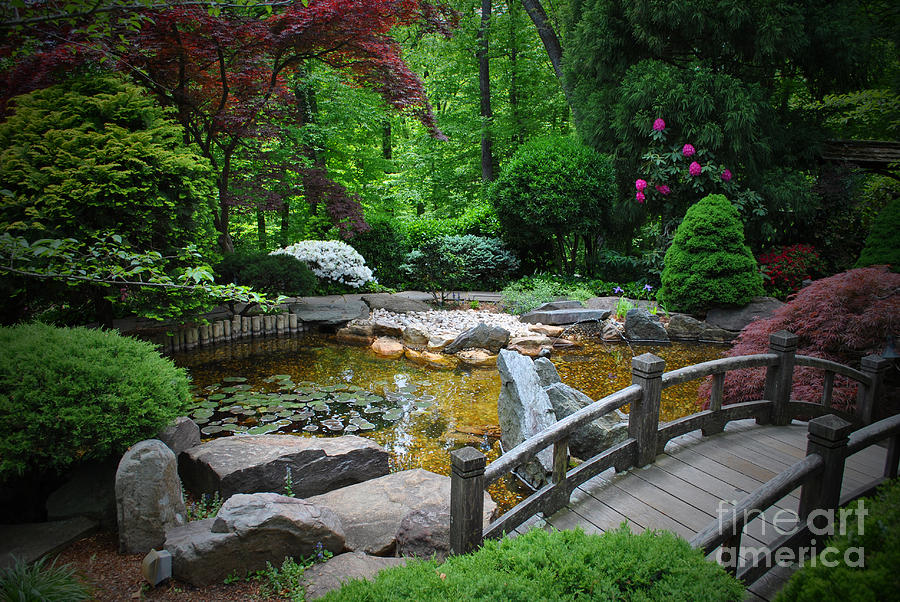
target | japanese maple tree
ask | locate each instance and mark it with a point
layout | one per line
(229, 72)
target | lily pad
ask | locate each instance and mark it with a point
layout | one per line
(202, 413)
(311, 428)
(211, 429)
(394, 414)
(234, 379)
(351, 428)
(268, 418)
(216, 396)
(230, 420)
(262, 429)
(366, 426)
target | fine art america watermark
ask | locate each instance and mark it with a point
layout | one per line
(822, 524)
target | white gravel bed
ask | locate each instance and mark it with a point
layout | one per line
(453, 322)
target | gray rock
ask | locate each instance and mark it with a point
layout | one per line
(148, 496)
(594, 437)
(90, 492)
(372, 512)
(28, 542)
(249, 531)
(397, 304)
(386, 328)
(360, 327)
(329, 311)
(255, 463)
(683, 327)
(641, 325)
(546, 371)
(481, 336)
(180, 435)
(565, 316)
(414, 337)
(560, 304)
(735, 319)
(323, 578)
(425, 533)
(524, 410)
(714, 334)
(602, 303)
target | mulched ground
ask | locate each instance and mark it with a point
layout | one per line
(116, 577)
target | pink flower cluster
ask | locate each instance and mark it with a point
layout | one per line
(663, 189)
(688, 150)
(726, 175)
(659, 125)
(694, 168)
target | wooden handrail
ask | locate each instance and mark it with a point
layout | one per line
(711, 367)
(873, 433)
(562, 428)
(829, 366)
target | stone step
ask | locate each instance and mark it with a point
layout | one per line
(565, 316)
(31, 541)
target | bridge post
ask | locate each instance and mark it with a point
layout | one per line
(876, 367)
(643, 419)
(828, 437)
(780, 377)
(466, 499)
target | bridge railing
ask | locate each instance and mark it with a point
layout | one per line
(646, 438)
(820, 477)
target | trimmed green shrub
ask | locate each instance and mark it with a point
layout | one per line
(563, 565)
(883, 243)
(384, 248)
(708, 263)
(553, 200)
(529, 292)
(39, 583)
(273, 274)
(877, 543)
(460, 262)
(68, 394)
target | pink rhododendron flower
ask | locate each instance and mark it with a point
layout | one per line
(663, 189)
(688, 150)
(640, 197)
(659, 125)
(694, 169)
(726, 175)
(640, 184)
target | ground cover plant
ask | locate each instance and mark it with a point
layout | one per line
(562, 565)
(72, 394)
(708, 263)
(877, 544)
(39, 582)
(840, 318)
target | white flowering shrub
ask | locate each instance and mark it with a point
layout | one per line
(331, 259)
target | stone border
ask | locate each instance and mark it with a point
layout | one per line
(230, 329)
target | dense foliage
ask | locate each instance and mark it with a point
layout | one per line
(274, 274)
(708, 263)
(39, 581)
(73, 394)
(384, 248)
(553, 196)
(460, 263)
(875, 542)
(332, 260)
(784, 269)
(883, 243)
(563, 565)
(98, 154)
(841, 318)
(530, 292)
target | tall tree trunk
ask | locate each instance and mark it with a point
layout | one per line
(548, 36)
(387, 151)
(484, 88)
(517, 136)
(224, 215)
(285, 223)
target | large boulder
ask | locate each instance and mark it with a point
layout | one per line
(384, 327)
(415, 337)
(686, 328)
(524, 410)
(532, 346)
(357, 332)
(148, 496)
(564, 316)
(477, 358)
(255, 463)
(431, 359)
(734, 319)
(320, 579)
(372, 512)
(395, 303)
(247, 532)
(329, 311)
(594, 437)
(425, 533)
(388, 347)
(641, 325)
(481, 336)
(182, 434)
(546, 371)
(90, 491)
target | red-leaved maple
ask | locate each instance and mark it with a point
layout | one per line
(841, 318)
(230, 75)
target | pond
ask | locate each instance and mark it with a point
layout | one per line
(314, 386)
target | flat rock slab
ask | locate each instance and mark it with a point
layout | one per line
(323, 578)
(735, 319)
(258, 463)
(89, 492)
(329, 311)
(397, 304)
(31, 541)
(372, 512)
(565, 316)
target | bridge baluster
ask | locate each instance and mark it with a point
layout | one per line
(874, 366)
(828, 437)
(466, 499)
(780, 377)
(643, 419)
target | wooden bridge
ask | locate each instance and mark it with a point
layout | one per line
(741, 482)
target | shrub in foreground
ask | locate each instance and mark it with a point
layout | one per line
(73, 393)
(272, 274)
(841, 318)
(708, 263)
(879, 543)
(563, 565)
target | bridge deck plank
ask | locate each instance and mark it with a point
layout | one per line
(682, 490)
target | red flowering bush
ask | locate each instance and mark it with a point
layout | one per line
(785, 268)
(842, 318)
